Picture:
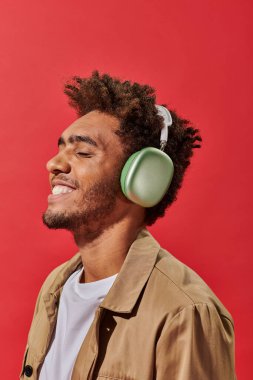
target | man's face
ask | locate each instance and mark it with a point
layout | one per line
(85, 173)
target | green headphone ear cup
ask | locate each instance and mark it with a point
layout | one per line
(146, 176)
(125, 171)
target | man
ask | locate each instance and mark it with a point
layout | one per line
(122, 308)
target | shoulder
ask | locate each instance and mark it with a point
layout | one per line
(58, 276)
(181, 287)
(195, 323)
(55, 280)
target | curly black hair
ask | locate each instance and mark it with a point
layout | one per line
(140, 125)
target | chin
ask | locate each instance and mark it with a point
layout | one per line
(57, 220)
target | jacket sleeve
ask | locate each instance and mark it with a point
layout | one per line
(198, 343)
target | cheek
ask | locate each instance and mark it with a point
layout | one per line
(90, 173)
(94, 171)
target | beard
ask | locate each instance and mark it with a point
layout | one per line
(96, 204)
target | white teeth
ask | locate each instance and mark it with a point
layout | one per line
(60, 189)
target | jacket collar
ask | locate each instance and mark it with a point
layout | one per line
(133, 274)
(129, 283)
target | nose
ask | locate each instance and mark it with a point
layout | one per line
(58, 164)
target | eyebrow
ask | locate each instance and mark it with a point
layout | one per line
(77, 138)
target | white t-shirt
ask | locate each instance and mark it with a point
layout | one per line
(77, 307)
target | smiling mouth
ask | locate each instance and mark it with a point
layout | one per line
(60, 191)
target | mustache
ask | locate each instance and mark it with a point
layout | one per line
(65, 178)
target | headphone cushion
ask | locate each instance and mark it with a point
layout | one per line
(146, 176)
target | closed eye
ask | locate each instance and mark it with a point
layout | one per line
(84, 154)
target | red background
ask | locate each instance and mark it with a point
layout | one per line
(198, 56)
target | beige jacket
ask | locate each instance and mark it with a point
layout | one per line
(158, 321)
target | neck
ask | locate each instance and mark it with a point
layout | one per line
(103, 250)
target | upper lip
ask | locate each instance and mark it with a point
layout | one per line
(56, 182)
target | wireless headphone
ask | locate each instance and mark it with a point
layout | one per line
(147, 174)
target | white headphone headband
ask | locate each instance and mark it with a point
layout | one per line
(167, 119)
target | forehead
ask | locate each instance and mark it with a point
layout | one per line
(99, 126)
